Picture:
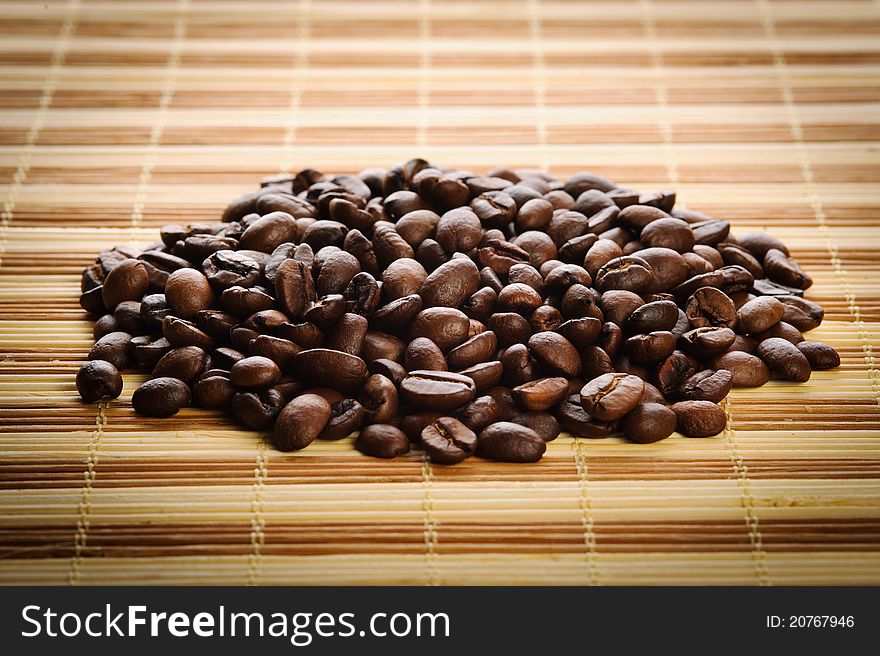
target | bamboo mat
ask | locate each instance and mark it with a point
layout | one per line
(116, 118)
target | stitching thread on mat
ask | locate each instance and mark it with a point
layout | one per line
(168, 88)
(782, 72)
(539, 73)
(423, 93)
(47, 93)
(300, 66)
(586, 505)
(430, 524)
(84, 508)
(741, 470)
(258, 519)
(661, 90)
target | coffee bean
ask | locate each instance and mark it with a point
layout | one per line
(477, 349)
(801, 313)
(541, 394)
(448, 441)
(648, 423)
(509, 328)
(653, 347)
(783, 330)
(334, 369)
(294, 287)
(708, 341)
(450, 284)
(782, 269)
(161, 397)
(556, 353)
(759, 314)
(213, 391)
(300, 422)
(510, 442)
(113, 348)
(346, 416)
(128, 281)
(437, 390)
(446, 327)
(707, 385)
(184, 363)
(543, 423)
(819, 355)
(746, 370)
(422, 353)
(657, 315)
(257, 410)
(379, 345)
(670, 233)
(382, 441)
(379, 400)
(611, 396)
(485, 375)
(254, 372)
(573, 418)
(98, 379)
(784, 359)
(629, 273)
(699, 418)
(479, 413)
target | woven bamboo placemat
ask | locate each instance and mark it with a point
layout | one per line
(118, 117)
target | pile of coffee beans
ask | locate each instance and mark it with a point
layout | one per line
(466, 314)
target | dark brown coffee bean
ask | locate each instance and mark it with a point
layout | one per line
(265, 321)
(396, 314)
(628, 272)
(257, 410)
(610, 338)
(180, 332)
(699, 418)
(422, 353)
(541, 394)
(305, 334)
(581, 332)
(328, 368)
(611, 396)
(362, 295)
(500, 256)
(543, 423)
(254, 372)
(127, 281)
(448, 441)
(673, 371)
(538, 246)
(485, 375)
(733, 254)
(785, 359)
(147, 350)
(113, 348)
(819, 355)
(652, 347)
(184, 363)
(707, 385)
(437, 390)
(379, 345)
(394, 371)
(534, 214)
(518, 297)
(105, 325)
(294, 287)
(450, 284)
(783, 330)
(269, 231)
(801, 313)
(711, 279)
(403, 277)
(519, 366)
(709, 341)
(746, 370)
(759, 314)
(379, 400)
(337, 270)
(545, 318)
(783, 269)
(556, 353)
(708, 306)
(648, 423)
(710, 232)
(510, 442)
(657, 315)
(594, 362)
(415, 227)
(479, 413)
(346, 416)
(325, 311)
(480, 304)
(213, 391)
(98, 379)
(382, 441)
(300, 422)
(446, 327)
(188, 291)
(479, 348)
(348, 334)
(494, 209)
(674, 234)
(459, 230)
(161, 397)
(573, 418)
(228, 268)
(245, 302)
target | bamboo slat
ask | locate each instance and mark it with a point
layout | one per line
(118, 117)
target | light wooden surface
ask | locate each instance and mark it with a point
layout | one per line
(118, 117)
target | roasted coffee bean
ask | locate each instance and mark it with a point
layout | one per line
(147, 350)
(648, 423)
(581, 332)
(652, 347)
(709, 306)
(479, 348)
(784, 359)
(98, 379)
(801, 313)
(708, 341)
(184, 363)
(556, 353)
(362, 295)
(437, 390)
(485, 375)
(294, 287)
(337, 270)
(379, 400)
(229, 268)
(127, 281)
(746, 370)
(325, 311)
(699, 418)
(403, 277)
(819, 355)
(180, 332)
(254, 372)
(759, 314)
(161, 397)
(382, 441)
(346, 416)
(382, 345)
(610, 338)
(544, 318)
(510, 442)
(112, 348)
(257, 410)
(657, 315)
(628, 272)
(519, 366)
(674, 234)
(543, 423)
(446, 327)
(105, 325)
(573, 418)
(782, 269)
(348, 334)
(479, 413)
(154, 308)
(450, 284)
(328, 368)
(611, 396)
(422, 353)
(212, 390)
(448, 441)
(783, 330)
(673, 371)
(187, 292)
(300, 422)
(541, 394)
(707, 385)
